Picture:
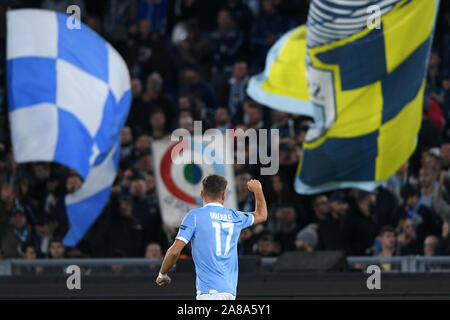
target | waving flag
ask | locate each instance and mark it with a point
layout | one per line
(366, 85)
(283, 85)
(69, 97)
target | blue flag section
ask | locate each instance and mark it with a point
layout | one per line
(69, 97)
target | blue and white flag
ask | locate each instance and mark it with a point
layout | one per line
(69, 97)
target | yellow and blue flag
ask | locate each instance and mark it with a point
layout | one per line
(367, 89)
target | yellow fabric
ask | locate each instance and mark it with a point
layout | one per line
(359, 111)
(287, 77)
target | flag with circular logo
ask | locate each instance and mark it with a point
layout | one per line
(180, 167)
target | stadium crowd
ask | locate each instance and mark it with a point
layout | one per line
(191, 60)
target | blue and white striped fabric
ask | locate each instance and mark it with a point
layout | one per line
(69, 97)
(331, 20)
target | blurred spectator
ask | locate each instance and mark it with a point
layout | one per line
(45, 231)
(195, 49)
(147, 52)
(396, 182)
(193, 86)
(56, 249)
(246, 242)
(146, 212)
(267, 246)
(287, 227)
(227, 42)
(406, 239)
(306, 239)
(282, 122)
(153, 251)
(386, 208)
(429, 246)
(125, 231)
(425, 220)
(154, 11)
(126, 145)
(29, 253)
(445, 155)
(266, 29)
(223, 120)
(253, 116)
(158, 124)
(427, 181)
(329, 232)
(242, 15)
(237, 89)
(244, 196)
(387, 240)
(321, 207)
(443, 245)
(151, 99)
(16, 234)
(358, 226)
(278, 192)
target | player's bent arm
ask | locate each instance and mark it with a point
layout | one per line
(172, 256)
(260, 212)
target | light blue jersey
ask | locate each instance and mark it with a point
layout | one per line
(214, 233)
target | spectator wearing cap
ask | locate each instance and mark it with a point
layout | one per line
(358, 226)
(425, 220)
(432, 159)
(307, 239)
(329, 232)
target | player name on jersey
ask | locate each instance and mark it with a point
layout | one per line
(220, 216)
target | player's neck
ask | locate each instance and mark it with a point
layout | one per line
(207, 201)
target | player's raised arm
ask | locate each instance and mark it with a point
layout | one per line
(170, 258)
(260, 212)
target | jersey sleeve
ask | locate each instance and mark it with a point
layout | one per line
(187, 228)
(247, 219)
